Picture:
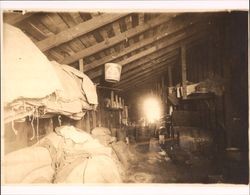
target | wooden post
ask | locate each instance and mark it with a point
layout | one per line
(170, 79)
(184, 71)
(120, 102)
(116, 101)
(112, 99)
(99, 119)
(81, 65)
(87, 122)
(94, 118)
(123, 104)
(170, 84)
(163, 93)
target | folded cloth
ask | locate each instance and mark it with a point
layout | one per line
(70, 132)
(87, 85)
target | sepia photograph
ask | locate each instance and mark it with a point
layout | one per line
(130, 97)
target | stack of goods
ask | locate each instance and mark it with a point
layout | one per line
(35, 86)
(121, 152)
(28, 165)
(103, 135)
(213, 84)
(67, 156)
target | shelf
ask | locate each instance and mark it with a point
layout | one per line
(199, 96)
(113, 109)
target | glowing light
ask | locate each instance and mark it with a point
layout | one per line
(152, 109)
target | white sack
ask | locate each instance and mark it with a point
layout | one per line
(87, 85)
(19, 166)
(27, 73)
(97, 169)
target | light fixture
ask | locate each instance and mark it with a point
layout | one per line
(152, 109)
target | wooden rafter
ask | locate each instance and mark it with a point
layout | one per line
(144, 82)
(141, 80)
(114, 40)
(14, 18)
(142, 58)
(150, 54)
(154, 66)
(140, 69)
(174, 26)
(149, 65)
(78, 30)
(145, 78)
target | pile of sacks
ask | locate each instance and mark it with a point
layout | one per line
(121, 150)
(67, 155)
(46, 87)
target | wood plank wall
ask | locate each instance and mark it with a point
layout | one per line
(24, 134)
(223, 53)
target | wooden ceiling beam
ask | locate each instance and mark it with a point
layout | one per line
(78, 30)
(145, 66)
(145, 79)
(150, 54)
(142, 81)
(142, 58)
(177, 24)
(116, 39)
(158, 60)
(157, 68)
(154, 67)
(145, 82)
(14, 18)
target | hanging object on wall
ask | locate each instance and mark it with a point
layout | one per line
(112, 72)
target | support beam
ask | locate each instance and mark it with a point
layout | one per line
(142, 82)
(163, 89)
(87, 121)
(151, 53)
(93, 119)
(170, 79)
(148, 74)
(14, 18)
(153, 66)
(140, 69)
(177, 24)
(144, 77)
(81, 68)
(140, 78)
(184, 71)
(78, 30)
(116, 39)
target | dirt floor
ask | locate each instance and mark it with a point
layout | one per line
(164, 167)
(153, 167)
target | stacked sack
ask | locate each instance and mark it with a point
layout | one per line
(28, 165)
(65, 156)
